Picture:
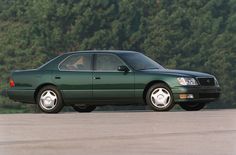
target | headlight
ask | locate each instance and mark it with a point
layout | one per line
(216, 82)
(187, 81)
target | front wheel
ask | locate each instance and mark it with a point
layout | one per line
(159, 97)
(84, 108)
(192, 106)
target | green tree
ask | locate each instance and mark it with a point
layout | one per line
(185, 34)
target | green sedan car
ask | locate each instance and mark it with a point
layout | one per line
(87, 79)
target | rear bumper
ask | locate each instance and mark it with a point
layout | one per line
(26, 96)
(4, 93)
(200, 94)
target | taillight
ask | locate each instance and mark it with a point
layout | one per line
(12, 83)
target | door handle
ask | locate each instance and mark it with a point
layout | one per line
(57, 77)
(97, 78)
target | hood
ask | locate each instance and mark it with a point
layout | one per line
(178, 72)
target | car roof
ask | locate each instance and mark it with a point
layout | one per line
(101, 51)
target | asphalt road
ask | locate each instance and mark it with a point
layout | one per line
(119, 133)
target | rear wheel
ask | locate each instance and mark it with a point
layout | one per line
(192, 106)
(49, 100)
(84, 108)
(159, 97)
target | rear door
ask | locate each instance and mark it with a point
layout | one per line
(109, 83)
(74, 78)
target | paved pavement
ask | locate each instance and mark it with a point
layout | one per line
(121, 133)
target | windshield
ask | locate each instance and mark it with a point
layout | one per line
(140, 62)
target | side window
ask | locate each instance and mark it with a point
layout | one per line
(107, 62)
(77, 62)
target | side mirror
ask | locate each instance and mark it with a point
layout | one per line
(123, 69)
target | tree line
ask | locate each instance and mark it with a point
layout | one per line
(184, 34)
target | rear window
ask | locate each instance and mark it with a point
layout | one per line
(77, 62)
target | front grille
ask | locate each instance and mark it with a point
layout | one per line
(209, 95)
(206, 81)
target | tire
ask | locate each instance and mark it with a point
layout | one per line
(192, 106)
(84, 108)
(49, 100)
(159, 97)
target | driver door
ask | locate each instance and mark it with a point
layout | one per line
(109, 83)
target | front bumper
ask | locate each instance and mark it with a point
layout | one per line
(200, 93)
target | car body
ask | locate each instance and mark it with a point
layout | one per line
(108, 77)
